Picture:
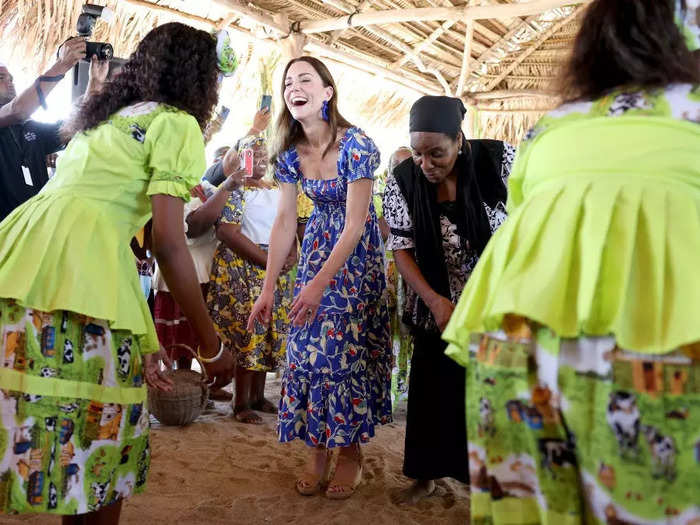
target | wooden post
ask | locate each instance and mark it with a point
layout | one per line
(466, 56)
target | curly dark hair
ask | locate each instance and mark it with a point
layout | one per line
(627, 43)
(174, 64)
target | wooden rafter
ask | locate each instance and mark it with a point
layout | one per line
(532, 48)
(425, 43)
(422, 14)
(467, 53)
(495, 52)
(398, 44)
(365, 63)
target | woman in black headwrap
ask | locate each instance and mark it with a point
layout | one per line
(442, 207)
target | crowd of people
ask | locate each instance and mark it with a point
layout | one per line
(541, 305)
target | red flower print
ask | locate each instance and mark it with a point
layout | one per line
(352, 351)
(327, 235)
(328, 432)
(355, 156)
(333, 283)
(353, 290)
(314, 440)
(356, 401)
(339, 419)
(316, 244)
(291, 399)
(292, 366)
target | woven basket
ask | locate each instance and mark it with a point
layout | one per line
(185, 402)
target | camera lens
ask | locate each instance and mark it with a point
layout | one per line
(103, 50)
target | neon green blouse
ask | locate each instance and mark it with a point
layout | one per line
(68, 247)
(603, 233)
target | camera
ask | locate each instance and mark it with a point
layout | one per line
(85, 25)
(103, 50)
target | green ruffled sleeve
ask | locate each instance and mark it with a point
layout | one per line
(176, 154)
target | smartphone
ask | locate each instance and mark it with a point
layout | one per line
(247, 161)
(266, 102)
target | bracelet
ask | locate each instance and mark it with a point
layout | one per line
(212, 359)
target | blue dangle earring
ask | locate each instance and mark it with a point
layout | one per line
(324, 111)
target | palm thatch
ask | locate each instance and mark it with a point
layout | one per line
(404, 47)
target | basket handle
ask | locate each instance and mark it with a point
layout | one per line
(205, 377)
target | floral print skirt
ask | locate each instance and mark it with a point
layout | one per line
(571, 431)
(73, 419)
(337, 384)
(234, 286)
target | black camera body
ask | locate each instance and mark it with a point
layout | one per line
(103, 50)
(85, 25)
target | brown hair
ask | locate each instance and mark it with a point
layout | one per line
(627, 43)
(174, 64)
(289, 131)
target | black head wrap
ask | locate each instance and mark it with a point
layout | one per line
(437, 115)
(479, 182)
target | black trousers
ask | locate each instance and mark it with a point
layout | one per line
(436, 428)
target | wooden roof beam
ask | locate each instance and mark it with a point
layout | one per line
(467, 54)
(407, 79)
(422, 86)
(425, 43)
(400, 45)
(422, 14)
(531, 49)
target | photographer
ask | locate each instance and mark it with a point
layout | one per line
(24, 144)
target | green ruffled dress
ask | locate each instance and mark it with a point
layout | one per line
(580, 325)
(73, 320)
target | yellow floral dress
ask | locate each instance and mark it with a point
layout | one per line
(236, 283)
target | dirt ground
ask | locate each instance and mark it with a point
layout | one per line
(217, 470)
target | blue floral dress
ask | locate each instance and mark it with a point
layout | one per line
(337, 383)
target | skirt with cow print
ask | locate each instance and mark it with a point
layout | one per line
(73, 419)
(573, 431)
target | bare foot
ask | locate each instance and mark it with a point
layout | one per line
(265, 406)
(220, 395)
(246, 415)
(421, 488)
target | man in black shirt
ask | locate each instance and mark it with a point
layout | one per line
(24, 144)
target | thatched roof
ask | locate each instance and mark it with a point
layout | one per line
(466, 49)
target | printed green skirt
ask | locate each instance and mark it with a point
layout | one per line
(571, 431)
(73, 421)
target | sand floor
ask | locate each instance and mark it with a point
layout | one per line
(217, 470)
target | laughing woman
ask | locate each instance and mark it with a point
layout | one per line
(336, 387)
(77, 335)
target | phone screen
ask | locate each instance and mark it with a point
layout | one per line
(266, 101)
